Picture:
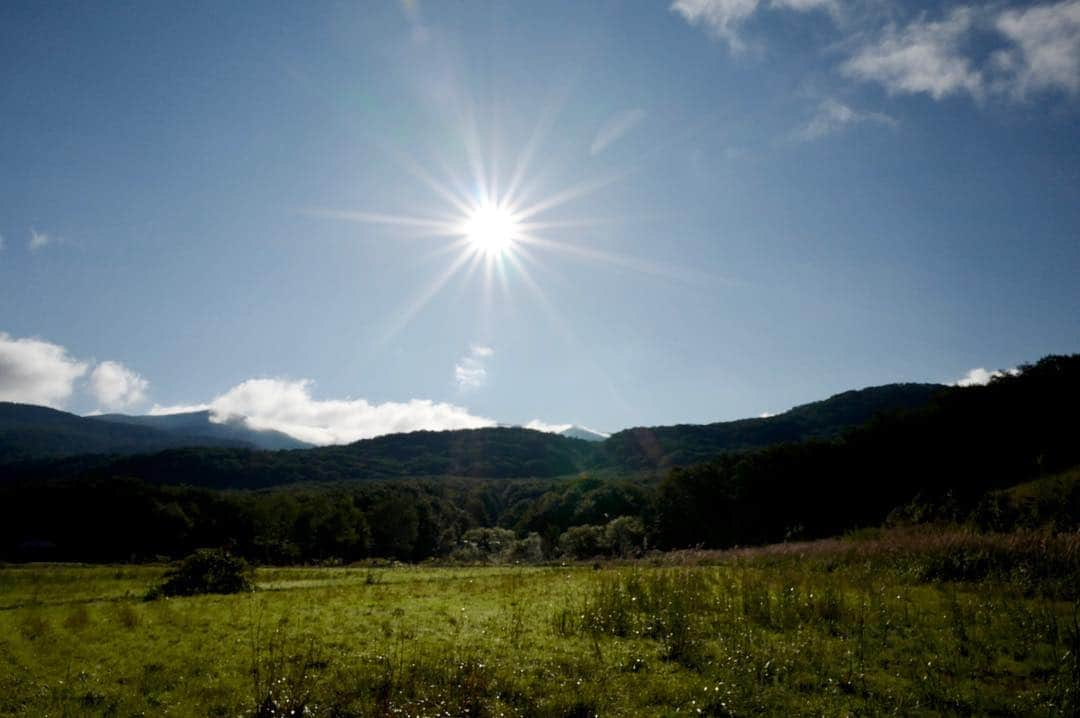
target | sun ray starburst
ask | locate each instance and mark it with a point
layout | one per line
(495, 228)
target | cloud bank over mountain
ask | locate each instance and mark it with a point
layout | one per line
(288, 406)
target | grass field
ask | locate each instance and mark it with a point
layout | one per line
(781, 632)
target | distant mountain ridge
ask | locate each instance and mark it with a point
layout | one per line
(29, 432)
(33, 432)
(684, 444)
(500, 452)
(200, 424)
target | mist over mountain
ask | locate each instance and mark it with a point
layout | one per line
(580, 432)
(199, 425)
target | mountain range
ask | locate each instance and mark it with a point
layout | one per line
(202, 425)
(29, 432)
(39, 442)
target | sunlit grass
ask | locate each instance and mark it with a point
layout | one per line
(728, 639)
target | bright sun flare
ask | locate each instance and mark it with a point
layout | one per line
(491, 229)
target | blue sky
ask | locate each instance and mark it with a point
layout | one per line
(734, 206)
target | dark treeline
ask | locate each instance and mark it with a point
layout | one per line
(965, 443)
(956, 452)
(128, 519)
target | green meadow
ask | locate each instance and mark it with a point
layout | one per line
(801, 632)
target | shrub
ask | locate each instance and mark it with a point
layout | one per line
(625, 536)
(581, 542)
(527, 550)
(206, 571)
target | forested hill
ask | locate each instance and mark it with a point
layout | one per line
(479, 453)
(684, 444)
(935, 462)
(942, 461)
(35, 432)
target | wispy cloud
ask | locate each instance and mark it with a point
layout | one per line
(981, 376)
(114, 386)
(470, 372)
(40, 240)
(35, 371)
(1040, 53)
(723, 18)
(1045, 49)
(833, 116)
(939, 54)
(618, 125)
(921, 57)
(288, 406)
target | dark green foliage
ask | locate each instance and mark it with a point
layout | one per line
(581, 542)
(206, 571)
(622, 537)
(477, 453)
(685, 444)
(938, 462)
(949, 461)
(126, 519)
(1053, 502)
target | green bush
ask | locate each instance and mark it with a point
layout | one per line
(206, 571)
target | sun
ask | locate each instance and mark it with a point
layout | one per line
(491, 229)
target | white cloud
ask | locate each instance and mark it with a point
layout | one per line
(833, 116)
(923, 57)
(722, 18)
(287, 406)
(40, 240)
(165, 410)
(537, 425)
(939, 54)
(117, 387)
(470, 371)
(1045, 52)
(981, 376)
(34, 371)
(618, 125)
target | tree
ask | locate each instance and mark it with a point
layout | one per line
(395, 525)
